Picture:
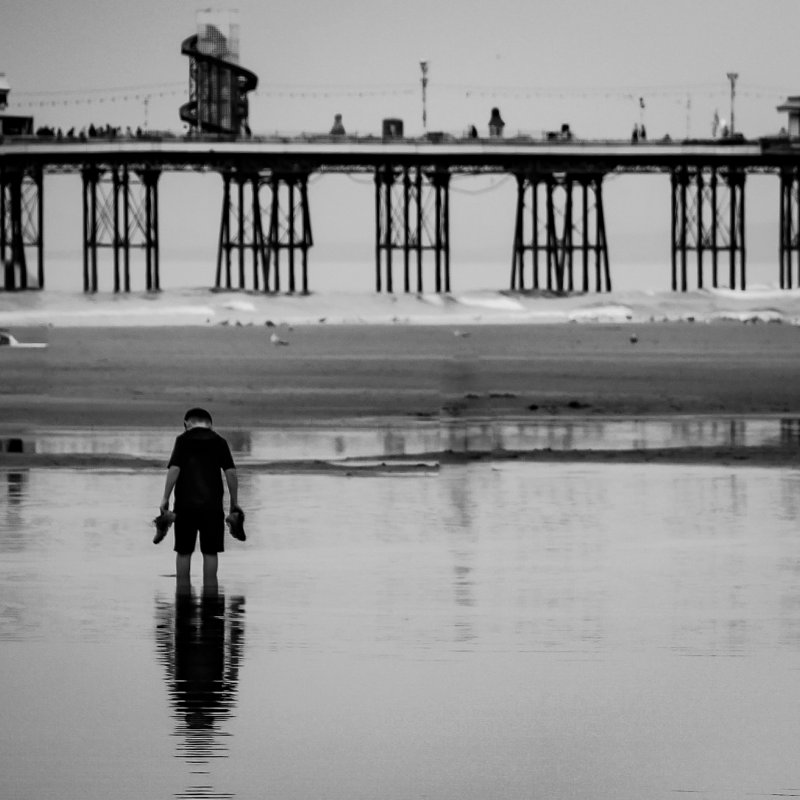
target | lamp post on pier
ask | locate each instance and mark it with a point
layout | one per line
(732, 76)
(423, 65)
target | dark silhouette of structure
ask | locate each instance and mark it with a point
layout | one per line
(337, 129)
(496, 123)
(560, 238)
(218, 86)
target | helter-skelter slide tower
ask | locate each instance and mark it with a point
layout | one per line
(218, 86)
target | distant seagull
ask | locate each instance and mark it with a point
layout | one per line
(634, 338)
(276, 340)
(462, 334)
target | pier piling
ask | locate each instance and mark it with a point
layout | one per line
(241, 232)
(558, 217)
(412, 215)
(789, 236)
(21, 227)
(708, 216)
(120, 212)
(289, 228)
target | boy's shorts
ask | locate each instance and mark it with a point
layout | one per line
(209, 524)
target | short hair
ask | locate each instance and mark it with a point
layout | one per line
(198, 414)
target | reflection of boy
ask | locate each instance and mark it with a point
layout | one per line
(194, 470)
(200, 641)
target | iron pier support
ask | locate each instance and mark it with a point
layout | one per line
(560, 221)
(120, 212)
(708, 216)
(21, 226)
(289, 226)
(789, 241)
(241, 232)
(412, 215)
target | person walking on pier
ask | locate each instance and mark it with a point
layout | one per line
(199, 458)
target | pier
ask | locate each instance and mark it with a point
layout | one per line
(561, 233)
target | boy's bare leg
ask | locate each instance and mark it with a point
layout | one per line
(183, 567)
(210, 562)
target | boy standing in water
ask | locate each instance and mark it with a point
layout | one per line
(199, 458)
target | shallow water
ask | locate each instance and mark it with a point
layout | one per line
(506, 631)
(387, 440)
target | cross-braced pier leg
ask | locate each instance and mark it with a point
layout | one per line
(21, 226)
(120, 212)
(241, 232)
(560, 221)
(789, 242)
(289, 229)
(412, 215)
(708, 218)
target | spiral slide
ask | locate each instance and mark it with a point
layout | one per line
(218, 102)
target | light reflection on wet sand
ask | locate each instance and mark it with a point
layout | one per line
(448, 433)
(507, 630)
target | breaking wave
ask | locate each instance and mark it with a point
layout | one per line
(204, 307)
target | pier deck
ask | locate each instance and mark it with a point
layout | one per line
(325, 153)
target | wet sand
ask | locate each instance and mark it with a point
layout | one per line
(146, 376)
(366, 374)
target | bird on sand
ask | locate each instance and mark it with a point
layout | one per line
(276, 340)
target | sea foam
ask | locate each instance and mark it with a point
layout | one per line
(204, 307)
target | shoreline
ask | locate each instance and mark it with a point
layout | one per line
(203, 307)
(376, 376)
(431, 462)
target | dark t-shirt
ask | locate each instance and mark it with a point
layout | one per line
(201, 454)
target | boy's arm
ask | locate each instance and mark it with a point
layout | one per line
(232, 479)
(169, 485)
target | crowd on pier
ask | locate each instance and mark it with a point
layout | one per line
(392, 129)
(91, 132)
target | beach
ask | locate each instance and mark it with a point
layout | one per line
(117, 376)
(369, 375)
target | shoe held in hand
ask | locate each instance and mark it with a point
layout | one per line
(235, 521)
(163, 523)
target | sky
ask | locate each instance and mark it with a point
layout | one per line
(542, 62)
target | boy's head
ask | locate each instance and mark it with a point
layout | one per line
(195, 417)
